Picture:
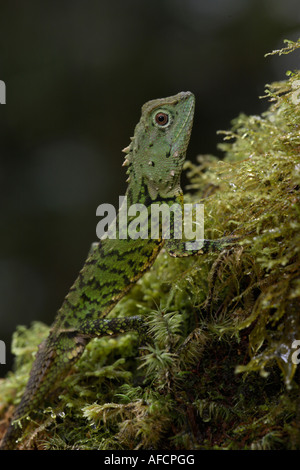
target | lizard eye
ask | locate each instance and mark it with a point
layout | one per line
(161, 119)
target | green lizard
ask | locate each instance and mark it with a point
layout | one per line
(154, 159)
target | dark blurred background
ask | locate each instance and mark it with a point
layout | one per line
(77, 74)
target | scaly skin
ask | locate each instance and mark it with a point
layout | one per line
(154, 158)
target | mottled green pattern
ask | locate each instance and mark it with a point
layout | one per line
(154, 159)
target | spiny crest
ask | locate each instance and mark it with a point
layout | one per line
(156, 153)
(128, 154)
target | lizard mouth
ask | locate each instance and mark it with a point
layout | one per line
(171, 185)
(190, 104)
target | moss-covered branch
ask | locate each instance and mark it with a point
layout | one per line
(219, 373)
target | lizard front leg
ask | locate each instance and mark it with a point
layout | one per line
(55, 357)
(178, 248)
(103, 327)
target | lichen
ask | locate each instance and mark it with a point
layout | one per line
(218, 372)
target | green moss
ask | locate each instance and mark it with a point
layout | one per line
(218, 373)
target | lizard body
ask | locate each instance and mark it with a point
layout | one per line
(154, 159)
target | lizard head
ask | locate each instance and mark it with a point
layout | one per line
(157, 152)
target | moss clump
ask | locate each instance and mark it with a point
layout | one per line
(220, 372)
